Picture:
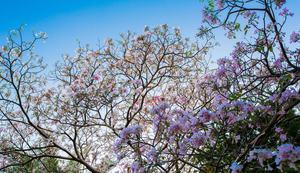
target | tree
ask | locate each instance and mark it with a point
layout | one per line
(97, 94)
(153, 101)
(244, 116)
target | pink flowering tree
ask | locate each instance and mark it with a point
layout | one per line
(241, 117)
(100, 96)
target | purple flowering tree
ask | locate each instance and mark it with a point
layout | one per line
(241, 117)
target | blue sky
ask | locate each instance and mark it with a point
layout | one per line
(67, 20)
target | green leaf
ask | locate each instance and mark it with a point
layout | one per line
(260, 49)
(271, 48)
(289, 77)
(237, 25)
(234, 97)
(284, 77)
(246, 27)
(186, 53)
(280, 81)
(77, 40)
(240, 95)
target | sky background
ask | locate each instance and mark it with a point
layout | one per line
(65, 21)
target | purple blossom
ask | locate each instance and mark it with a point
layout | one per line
(135, 166)
(236, 138)
(183, 148)
(235, 166)
(220, 72)
(175, 127)
(273, 98)
(270, 168)
(197, 140)
(283, 137)
(278, 129)
(294, 37)
(194, 121)
(205, 115)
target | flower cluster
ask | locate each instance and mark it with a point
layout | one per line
(235, 167)
(285, 154)
(295, 37)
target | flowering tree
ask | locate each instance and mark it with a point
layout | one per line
(97, 94)
(149, 103)
(244, 116)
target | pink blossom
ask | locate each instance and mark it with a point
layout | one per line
(247, 13)
(96, 77)
(84, 72)
(19, 112)
(138, 91)
(279, 3)
(124, 90)
(139, 82)
(219, 4)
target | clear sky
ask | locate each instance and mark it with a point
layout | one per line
(65, 21)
